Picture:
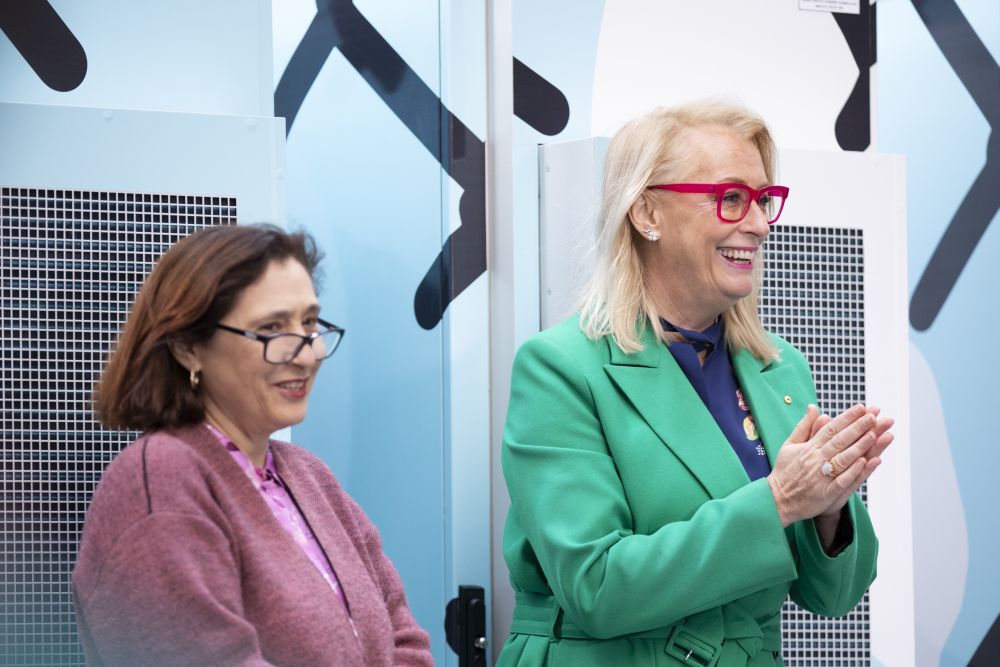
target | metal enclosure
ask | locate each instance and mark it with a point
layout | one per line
(90, 199)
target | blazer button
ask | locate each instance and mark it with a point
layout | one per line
(788, 400)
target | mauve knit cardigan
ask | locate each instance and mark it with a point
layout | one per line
(183, 563)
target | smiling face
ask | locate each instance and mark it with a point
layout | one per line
(245, 396)
(700, 267)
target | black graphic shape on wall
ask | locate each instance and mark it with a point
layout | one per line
(45, 42)
(980, 74)
(339, 24)
(853, 126)
(988, 653)
(537, 102)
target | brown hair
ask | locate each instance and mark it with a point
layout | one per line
(193, 286)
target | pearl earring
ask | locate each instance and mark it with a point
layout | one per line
(194, 379)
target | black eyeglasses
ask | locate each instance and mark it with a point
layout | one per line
(283, 347)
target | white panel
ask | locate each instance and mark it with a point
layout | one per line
(794, 68)
(466, 323)
(867, 191)
(146, 151)
(569, 197)
(502, 278)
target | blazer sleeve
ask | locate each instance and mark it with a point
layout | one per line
(567, 498)
(168, 593)
(833, 585)
(411, 642)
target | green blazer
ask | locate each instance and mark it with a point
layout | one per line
(634, 535)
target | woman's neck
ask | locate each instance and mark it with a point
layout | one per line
(687, 311)
(254, 448)
(688, 317)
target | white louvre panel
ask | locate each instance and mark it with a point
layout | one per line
(835, 287)
(843, 248)
(72, 263)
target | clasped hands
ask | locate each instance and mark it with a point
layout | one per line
(851, 443)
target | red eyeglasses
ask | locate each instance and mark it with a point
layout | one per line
(733, 199)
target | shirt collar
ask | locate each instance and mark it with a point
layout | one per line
(267, 473)
(709, 339)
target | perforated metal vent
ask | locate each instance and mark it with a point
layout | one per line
(814, 298)
(71, 263)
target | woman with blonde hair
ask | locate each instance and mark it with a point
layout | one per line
(671, 478)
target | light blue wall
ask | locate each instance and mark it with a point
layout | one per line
(400, 413)
(370, 193)
(184, 55)
(926, 113)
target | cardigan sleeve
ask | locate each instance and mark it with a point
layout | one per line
(571, 513)
(411, 642)
(168, 593)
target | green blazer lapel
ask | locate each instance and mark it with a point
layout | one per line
(765, 388)
(656, 386)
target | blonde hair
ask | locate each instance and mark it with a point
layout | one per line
(617, 301)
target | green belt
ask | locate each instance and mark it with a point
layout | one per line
(698, 638)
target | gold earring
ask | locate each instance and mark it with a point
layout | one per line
(194, 379)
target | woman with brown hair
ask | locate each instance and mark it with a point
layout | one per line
(207, 542)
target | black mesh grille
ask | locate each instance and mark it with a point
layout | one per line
(814, 298)
(72, 262)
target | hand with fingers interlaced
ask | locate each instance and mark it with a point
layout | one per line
(824, 461)
(873, 457)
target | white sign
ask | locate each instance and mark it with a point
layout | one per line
(838, 6)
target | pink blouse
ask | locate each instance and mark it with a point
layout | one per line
(267, 481)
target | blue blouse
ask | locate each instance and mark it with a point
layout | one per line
(715, 383)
